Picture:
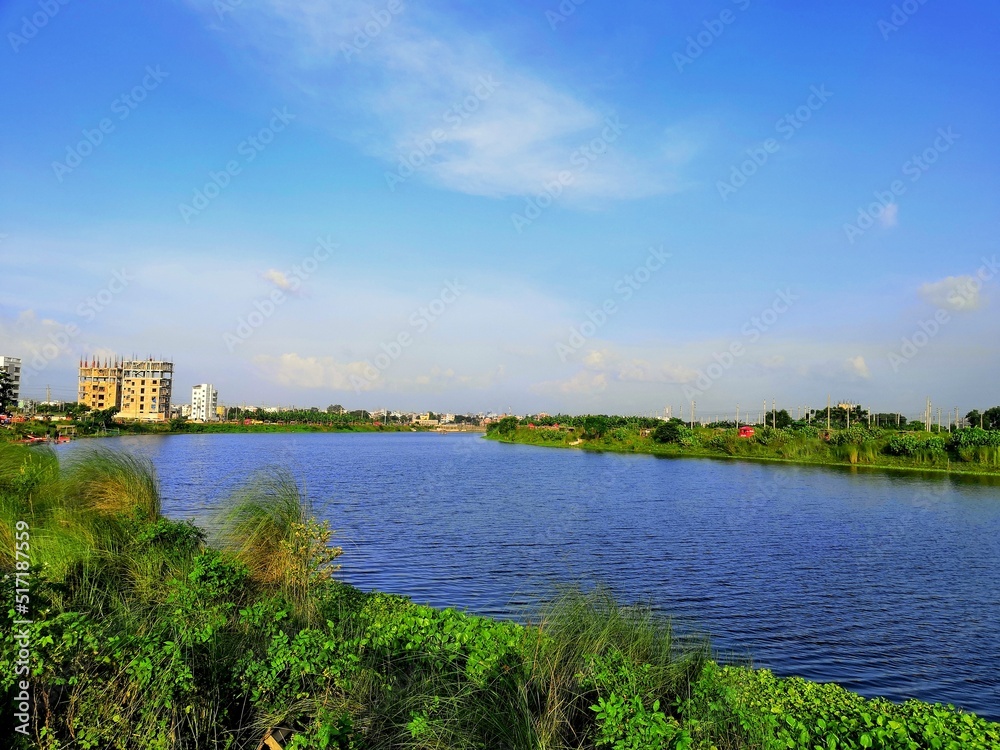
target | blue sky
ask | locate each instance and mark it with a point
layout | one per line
(576, 207)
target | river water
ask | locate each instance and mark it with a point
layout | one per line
(887, 583)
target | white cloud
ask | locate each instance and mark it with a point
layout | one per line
(315, 372)
(278, 278)
(857, 367)
(889, 216)
(420, 73)
(958, 293)
(583, 382)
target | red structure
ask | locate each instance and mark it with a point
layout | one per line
(746, 431)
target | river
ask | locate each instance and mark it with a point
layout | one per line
(887, 583)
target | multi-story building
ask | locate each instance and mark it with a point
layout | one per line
(100, 384)
(204, 403)
(146, 388)
(12, 366)
(140, 389)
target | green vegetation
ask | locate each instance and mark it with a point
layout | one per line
(151, 633)
(968, 450)
(6, 392)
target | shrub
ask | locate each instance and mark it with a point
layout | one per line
(676, 433)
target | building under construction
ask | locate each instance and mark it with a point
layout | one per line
(138, 388)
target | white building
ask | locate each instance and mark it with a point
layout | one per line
(12, 366)
(204, 400)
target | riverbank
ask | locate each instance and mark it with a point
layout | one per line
(25, 430)
(146, 633)
(858, 449)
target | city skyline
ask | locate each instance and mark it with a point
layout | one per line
(539, 207)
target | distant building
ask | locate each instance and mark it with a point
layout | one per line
(100, 384)
(146, 389)
(140, 389)
(204, 403)
(12, 366)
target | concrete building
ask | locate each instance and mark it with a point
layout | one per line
(146, 390)
(204, 403)
(12, 366)
(100, 384)
(140, 389)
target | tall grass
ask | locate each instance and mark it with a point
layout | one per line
(267, 526)
(578, 639)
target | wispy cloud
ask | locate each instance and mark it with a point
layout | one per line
(278, 278)
(890, 216)
(958, 293)
(857, 367)
(389, 80)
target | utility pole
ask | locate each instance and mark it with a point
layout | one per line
(692, 414)
(774, 415)
(737, 416)
(828, 412)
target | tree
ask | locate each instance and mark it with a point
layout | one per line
(991, 418)
(782, 419)
(668, 432)
(334, 409)
(6, 391)
(595, 425)
(506, 426)
(973, 418)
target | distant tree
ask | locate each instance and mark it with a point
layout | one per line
(334, 409)
(668, 432)
(506, 426)
(595, 425)
(991, 418)
(6, 391)
(973, 418)
(782, 419)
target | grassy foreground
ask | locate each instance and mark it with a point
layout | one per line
(148, 634)
(966, 451)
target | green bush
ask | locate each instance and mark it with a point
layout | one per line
(795, 713)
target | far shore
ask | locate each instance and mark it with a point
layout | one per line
(649, 447)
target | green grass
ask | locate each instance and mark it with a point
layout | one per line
(859, 448)
(148, 634)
